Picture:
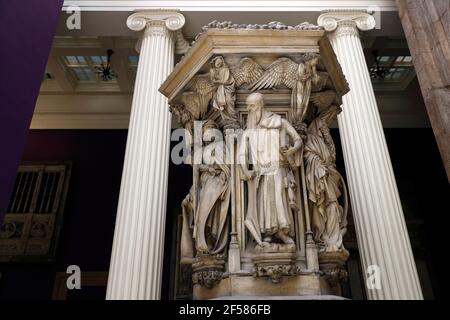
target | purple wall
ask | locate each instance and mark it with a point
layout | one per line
(26, 33)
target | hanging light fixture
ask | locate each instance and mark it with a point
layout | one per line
(105, 72)
(378, 72)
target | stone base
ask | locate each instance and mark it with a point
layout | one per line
(332, 265)
(207, 270)
(274, 265)
(337, 258)
(249, 286)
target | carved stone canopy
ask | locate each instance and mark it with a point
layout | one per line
(186, 84)
(287, 83)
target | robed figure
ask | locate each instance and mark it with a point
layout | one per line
(224, 97)
(205, 221)
(324, 183)
(267, 151)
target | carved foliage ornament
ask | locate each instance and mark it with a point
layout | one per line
(273, 25)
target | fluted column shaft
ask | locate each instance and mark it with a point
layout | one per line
(137, 253)
(380, 225)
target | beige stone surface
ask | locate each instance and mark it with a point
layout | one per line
(223, 80)
(427, 29)
(252, 42)
(301, 285)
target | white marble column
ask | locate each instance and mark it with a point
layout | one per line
(137, 254)
(380, 225)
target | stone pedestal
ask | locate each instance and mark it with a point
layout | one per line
(333, 269)
(208, 270)
(248, 286)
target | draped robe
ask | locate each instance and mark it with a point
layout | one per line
(213, 201)
(225, 96)
(323, 182)
(273, 212)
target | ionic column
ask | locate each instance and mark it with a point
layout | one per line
(137, 254)
(380, 225)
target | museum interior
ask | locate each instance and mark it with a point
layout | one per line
(63, 208)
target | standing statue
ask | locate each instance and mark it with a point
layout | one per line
(323, 183)
(186, 245)
(207, 221)
(225, 96)
(270, 150)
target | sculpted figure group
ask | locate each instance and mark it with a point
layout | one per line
(270, 153)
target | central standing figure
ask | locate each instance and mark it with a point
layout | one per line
(267, 154)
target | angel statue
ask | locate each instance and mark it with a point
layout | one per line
(217, 88)
(297, 76)
(324, 183)
(225, 96)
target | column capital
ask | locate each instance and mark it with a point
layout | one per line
(160, 22)
(345, 22)
(172, 19)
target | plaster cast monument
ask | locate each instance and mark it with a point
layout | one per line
(271, 221)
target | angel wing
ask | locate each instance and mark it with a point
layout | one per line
(281, 71)
(197, 100)
(191, 101)
(247, 72)
(203, 84)
(324, 99)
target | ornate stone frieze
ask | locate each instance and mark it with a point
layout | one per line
(273, 25)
